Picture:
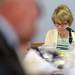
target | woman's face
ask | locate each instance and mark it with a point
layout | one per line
(61, 26)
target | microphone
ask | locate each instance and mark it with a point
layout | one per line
(70, 35)
(69, 29)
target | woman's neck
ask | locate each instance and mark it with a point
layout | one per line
(63, 33)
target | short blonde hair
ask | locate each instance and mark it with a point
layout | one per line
(62, 13)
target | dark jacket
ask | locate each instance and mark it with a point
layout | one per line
(9, 63)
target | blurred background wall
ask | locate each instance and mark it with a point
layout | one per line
(45, 22)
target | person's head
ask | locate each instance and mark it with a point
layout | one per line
(62, 17)
(22, 14)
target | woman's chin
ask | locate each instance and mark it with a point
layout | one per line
(60, 29)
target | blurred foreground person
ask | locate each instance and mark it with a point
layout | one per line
(17, 26)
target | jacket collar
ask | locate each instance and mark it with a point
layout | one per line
(8, 32)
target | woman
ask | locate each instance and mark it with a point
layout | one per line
(63, 36)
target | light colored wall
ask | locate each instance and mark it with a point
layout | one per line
(45, 23)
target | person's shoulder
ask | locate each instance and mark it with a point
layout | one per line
(51, 31)
(73, 33)
(73, 36)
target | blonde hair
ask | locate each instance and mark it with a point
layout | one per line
(62, 13)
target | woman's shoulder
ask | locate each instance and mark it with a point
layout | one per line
(52, 31)
(73, 33)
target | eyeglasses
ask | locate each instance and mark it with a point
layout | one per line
(61, 25)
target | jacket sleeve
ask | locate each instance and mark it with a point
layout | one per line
(48, 39)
